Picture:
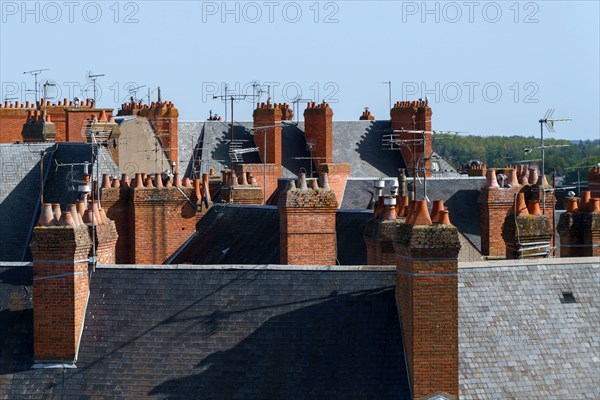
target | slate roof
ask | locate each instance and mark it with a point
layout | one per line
(208, 142)
(20, 188)
(223, 334)
(356, 142)
(518, 340)
(61, 183)
(19, 196)
(266, 332)
(232, 233)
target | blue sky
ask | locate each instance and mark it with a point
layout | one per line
(486, 67)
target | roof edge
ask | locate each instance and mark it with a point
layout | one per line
(258, 267)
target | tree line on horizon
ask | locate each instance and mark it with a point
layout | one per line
(500, 151)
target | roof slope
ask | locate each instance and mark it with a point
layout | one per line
(222, 334)
(518, 340)
(246, 234)
(208, 142)
(62, 181)
(354, 142)
(19, 196)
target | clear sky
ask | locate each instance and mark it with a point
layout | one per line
(486, 67)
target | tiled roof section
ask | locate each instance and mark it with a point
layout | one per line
(61, 184)
(222, 334)
(459, 195)
(246, 234)
(19, 196)
(208, 141)
(518, 340)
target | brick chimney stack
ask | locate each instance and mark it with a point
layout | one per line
(495, 204)
(380, 233)
(318, 129)
(152, 218)
(268, 115)
(413, 115)
(307, 224)
(60, 285)
(527, 235)
(579, 227)
(427, 299)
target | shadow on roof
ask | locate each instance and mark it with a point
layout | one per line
(345, 346)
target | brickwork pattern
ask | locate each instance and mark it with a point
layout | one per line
(495, 205)
(318, 130)
(264, 115)
(60, 289)
(338, 174)
(307, 227)
(379, 239)
(413, 115)
(162, 221)
(273, 173)
(427, 297)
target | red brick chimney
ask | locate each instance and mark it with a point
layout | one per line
(318, 130)
(60, 285)
(413, 115)
(163, 219)
(427, 299)
(495, 204)
(116, 203)
(380, 233)
(527, 235)
(307, 224)
(268, 115)
(152, 218)
(579, 227)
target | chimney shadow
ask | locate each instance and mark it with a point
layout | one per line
(371, 150)
(16, 320)
(344, 346)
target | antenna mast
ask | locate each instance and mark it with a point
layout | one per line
(35, 74)
(549, 122)
(93, 78)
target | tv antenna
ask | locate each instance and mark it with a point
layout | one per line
(548, 122)
(94, 78)
(296, 107)
(232, 97)
(389, 83)
(133, 91)
(35, 74)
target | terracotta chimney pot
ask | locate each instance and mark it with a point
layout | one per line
(520, 207)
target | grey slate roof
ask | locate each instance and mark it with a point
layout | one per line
(256, 333)
(208, 141)
(356, 142)
(223, 334)
(233, 233)
(20, 188)
(517, 340)
(19, 196)
(61, 184)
